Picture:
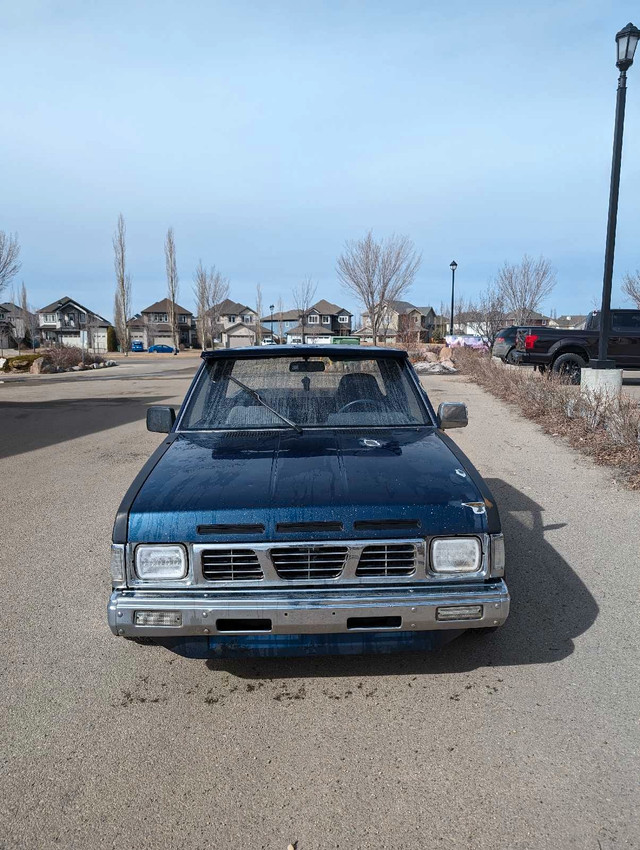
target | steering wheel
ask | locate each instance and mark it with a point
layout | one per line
(370, 401)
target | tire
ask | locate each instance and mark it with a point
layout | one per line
(569, 366)
(509, 358)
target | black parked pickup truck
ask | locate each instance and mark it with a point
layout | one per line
(567, 352)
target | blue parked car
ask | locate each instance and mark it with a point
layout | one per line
(162, 349)
(306, 499)
(137, 345)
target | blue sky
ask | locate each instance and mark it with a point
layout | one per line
(267, 133)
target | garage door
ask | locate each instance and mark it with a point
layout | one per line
(239, 340)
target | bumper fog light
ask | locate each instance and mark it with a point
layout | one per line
(459, 612)
(158, 618)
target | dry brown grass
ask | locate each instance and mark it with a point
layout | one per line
(606, 430)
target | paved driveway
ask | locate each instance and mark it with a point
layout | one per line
(527, 738)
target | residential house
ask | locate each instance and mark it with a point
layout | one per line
(535, 320)
(152, 326)
(321, 322)
(282, 322)
(237, 325)
(16, 325)
(402, 322)
(67, 322)
(570, 323)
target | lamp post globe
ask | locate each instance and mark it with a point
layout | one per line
(271, 306)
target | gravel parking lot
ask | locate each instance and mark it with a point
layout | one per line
(527, 738)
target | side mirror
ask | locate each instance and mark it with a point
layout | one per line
(160, 418)
(452, 414)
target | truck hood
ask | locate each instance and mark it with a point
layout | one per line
(319, 476)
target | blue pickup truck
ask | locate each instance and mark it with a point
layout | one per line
(304, 497)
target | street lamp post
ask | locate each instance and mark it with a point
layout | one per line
(271, 306)
(453, 266)
(627, 40)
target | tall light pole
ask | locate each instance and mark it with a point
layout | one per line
(627, 41)
(453, 266)
(271, 306)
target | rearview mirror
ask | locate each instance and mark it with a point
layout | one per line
(452, 414)
(160, 419)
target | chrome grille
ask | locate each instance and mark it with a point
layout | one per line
(387, 559)
(309, 562)
(231, 565)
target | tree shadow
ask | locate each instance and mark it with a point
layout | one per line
(27, 426)
(550, 608)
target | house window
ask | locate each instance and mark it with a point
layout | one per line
(247, 318)
(313, 319)
(233, 319)
(182, 319)
(343, 319)
(326, 320)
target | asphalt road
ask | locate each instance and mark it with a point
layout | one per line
(527, 738)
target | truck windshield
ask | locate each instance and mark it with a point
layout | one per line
(303, 392)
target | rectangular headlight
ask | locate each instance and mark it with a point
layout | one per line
(161, 563)
(456, 555)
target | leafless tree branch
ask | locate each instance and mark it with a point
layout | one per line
(173, 284)
(631, 287)
(122, 300)
(378, 273)
(210, 289)
(487, 313)
(524, 286)
(259, 312)
(303, 297)
(9, 258)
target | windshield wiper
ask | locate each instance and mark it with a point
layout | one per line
(255, 395)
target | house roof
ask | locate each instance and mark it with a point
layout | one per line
(285, 316)
(426, 310)
(63, 302)
(163, 307)
(230, 308)
(327, 308)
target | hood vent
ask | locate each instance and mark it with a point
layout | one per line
(231, 528)
(378, 524)
(309, 526)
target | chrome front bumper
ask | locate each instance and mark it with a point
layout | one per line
(413, 607)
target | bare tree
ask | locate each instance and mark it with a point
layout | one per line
(303, 297)
(280, 319)
(259, 312)
(210, 289)
(122, 301)
(9, 258)
(377, 273)
(488, 312)
(524, 286)
(201, 292)
(172, 283)
(631, 287)
(28, 318)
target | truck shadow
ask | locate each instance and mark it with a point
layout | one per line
(27, 426)
(550, 608)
